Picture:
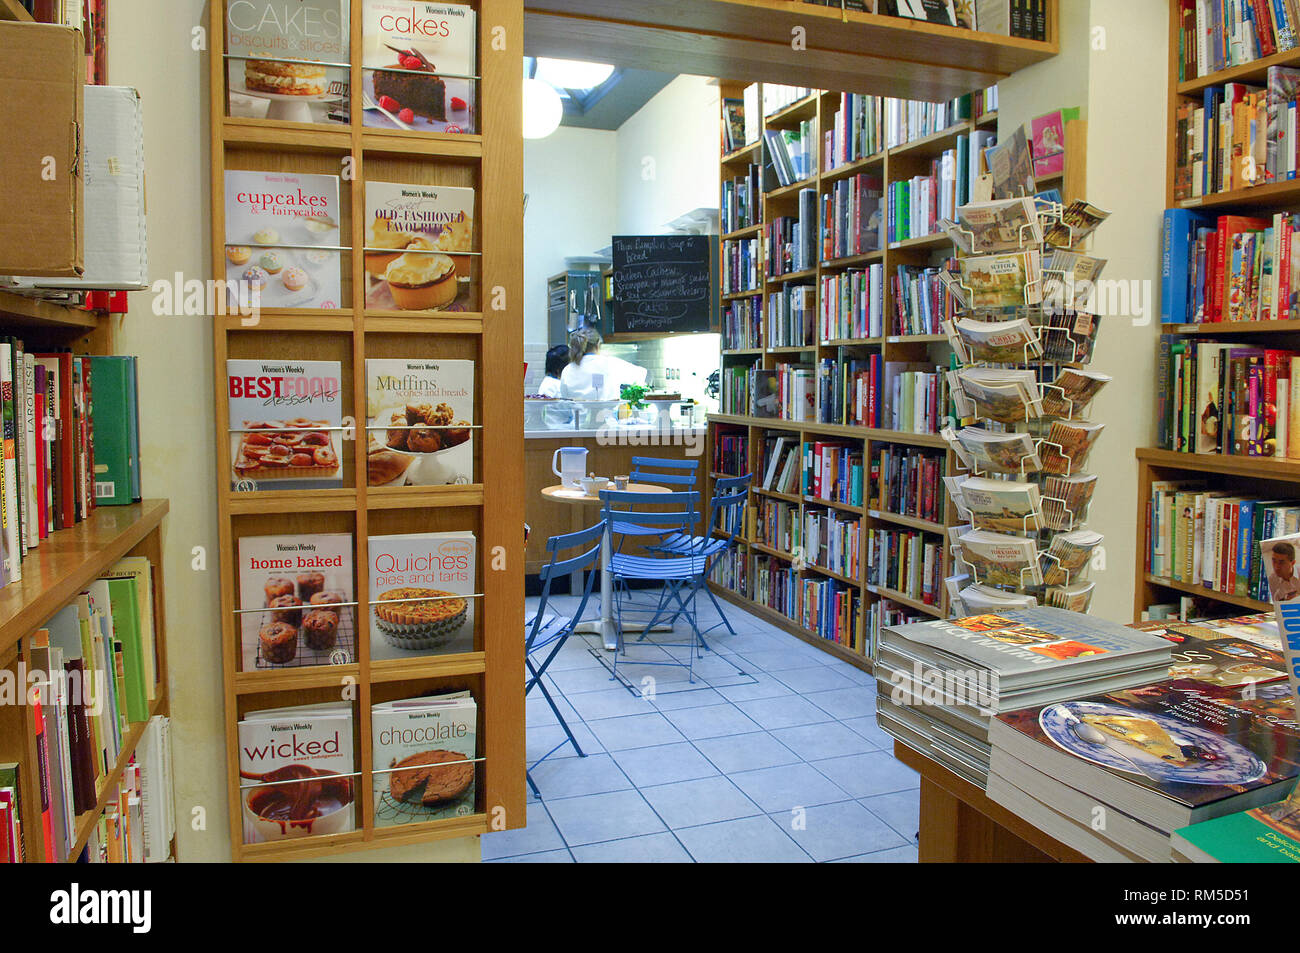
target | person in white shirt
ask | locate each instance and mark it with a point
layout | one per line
(1282, 583)
(595, 376)
(557, 359)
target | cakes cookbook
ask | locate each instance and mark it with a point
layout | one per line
(285, 424)
(308, 80)
(421, 588)
(419, 66)
(282, 238)
(295, 772)
(422, 756)
(419, 422)
(296, 601)
(419, 250)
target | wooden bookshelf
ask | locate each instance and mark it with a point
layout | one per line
(492, 163)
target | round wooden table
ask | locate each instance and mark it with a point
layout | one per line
(604, 626)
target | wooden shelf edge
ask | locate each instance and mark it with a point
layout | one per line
(21, 309)
(361, 839)
(1251, 467)
(1192, 589)
(857, 659)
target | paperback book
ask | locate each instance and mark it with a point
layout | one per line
(1006, 395)
(1003, 506)
(421, 589)
(1072, 391)
(286, 424)
(1012, 166)
(984, 451)
(1068, 443)
(994, 342)
(1078, 220)
(1068, 556)
(423, 752)
(1066, 499)
(1070, 281)
(999, 559)
(1047, 138)
(984, 228)
(419, 66)
(1010, 280)
(419, 247)
(419, 422)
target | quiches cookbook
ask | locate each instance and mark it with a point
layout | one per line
(419, 417)
(282, 239)
(295, 772)
(422, 755)
(418, 63)
(420, 594)
(309, 78)
(419, 240)
(294, 596)
(285, 419)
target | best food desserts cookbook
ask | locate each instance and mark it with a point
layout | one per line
(420, 594)
(285, 420)
(419, 62)
(419, 240)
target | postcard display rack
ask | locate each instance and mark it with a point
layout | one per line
(467, 145)
(1023, 387)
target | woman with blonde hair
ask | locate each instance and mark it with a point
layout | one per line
(592, 375)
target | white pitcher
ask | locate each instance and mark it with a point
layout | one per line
(570, 465)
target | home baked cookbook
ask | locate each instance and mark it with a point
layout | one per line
(289, 61)
(421, 588)
(283, 239)
(296, 601)
(296, 770)
(419, 66)
(419, 246)
(286, 421)
(419, 422)
(422, 753)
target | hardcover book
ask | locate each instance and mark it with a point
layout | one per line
(419, 246)
(419, 422)
(419, 66)
(1047, 141)
(423, 752)
(421, 589)
(286, 424)
(1002, 226)
(1012, 166)
(282, 240)
(296, 601)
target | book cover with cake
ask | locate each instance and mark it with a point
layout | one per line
(419, 64)
(289, 60)
(295, 772)
(295, 600)
(419, 422)
(282, 238)
(421, 588)
(422, 756)
(419, 245)
(285, 420)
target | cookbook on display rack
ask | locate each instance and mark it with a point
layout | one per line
(419, 246)
(419, 66)
(419, 422)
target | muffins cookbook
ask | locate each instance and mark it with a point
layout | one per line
(418, 66)
(282, 238)
(295, 600)
(419, 417)
(309, 80)
(419, 244)
(285, 420)
(422, 755)
(421, 588)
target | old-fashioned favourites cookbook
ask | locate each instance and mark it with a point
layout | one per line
(419, 422)
(295, 772)
(285, 424)
(423, 752)
(282, 239)
(419, 245)
(421, 586)
(418, 62)
(296, 601)
(289, 61)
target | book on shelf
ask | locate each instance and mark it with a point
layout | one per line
(742, 323)
(1047, 141)
(832, 541)
(855, 130)
(851, 217)
(790, 155)
(1212, 37)
(918, 205)
(1011, 164)
(419, 246)
(742, 198)
(312, 83)
(740, 266)
(297, 772)
(733, 125)
(286, 422)
(832, 471)
(419, 422)
(915, 396)
(296, 601)
(422, 752)
(906, 562)
(282, 240)
(790, 242)
(924, 299)
(731, 452)
(420, 66)
(905, 481)
(790, 315)
(852, 304)
(777, 96)
(421, 594)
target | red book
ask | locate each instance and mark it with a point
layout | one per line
(66, 482)
(43, 777)
(1209, 275)
(7, 852)
(42, 478)
(1230, 226)
(1264, 26)
(1282, 306)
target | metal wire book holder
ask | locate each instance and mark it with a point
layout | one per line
(1054, 345)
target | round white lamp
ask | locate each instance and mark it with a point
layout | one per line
(543, 109)
(573, 74)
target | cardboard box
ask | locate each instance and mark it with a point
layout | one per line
(42, 69)
(116, 246)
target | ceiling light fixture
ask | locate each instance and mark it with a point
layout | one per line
(543, 109)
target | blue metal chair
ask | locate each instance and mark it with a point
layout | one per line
(540, 637)
(726, 517)
(681, 474)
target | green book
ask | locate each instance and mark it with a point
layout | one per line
(124, 604)
(1264, 835)
(113, 399)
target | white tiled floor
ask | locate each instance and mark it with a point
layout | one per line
(773, 754)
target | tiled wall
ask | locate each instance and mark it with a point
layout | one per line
(694, 357)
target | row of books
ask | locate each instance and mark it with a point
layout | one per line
(907, 481)
(1211, 538)
(1216, 397)
(731, 452)
(922, 301)
(915, 396)
(742, 323)
(853, 304)
(833, 471)
(790, 241)
(789, 155)
(918, 204)
(777, 525)
(423, 764)
(742, 200)
(833, 541)
(851, 219)
(831, 610)
(885, 612)
(785, 392)
(906, 561)
(731, 570)
(855, 130)
(1216, 34)
(791, 311)
(848, 389)
(740, 266)
(780, 465)
(1229, 268)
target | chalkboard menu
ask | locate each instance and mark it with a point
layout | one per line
(664, 284)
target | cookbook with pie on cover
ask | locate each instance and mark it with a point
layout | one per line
(419, 246)
(421, 586)
(295, 600)
(285, 424)
(419, 422)
(423, 752)
(289, 61)
(283, 239)
(419, 64)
